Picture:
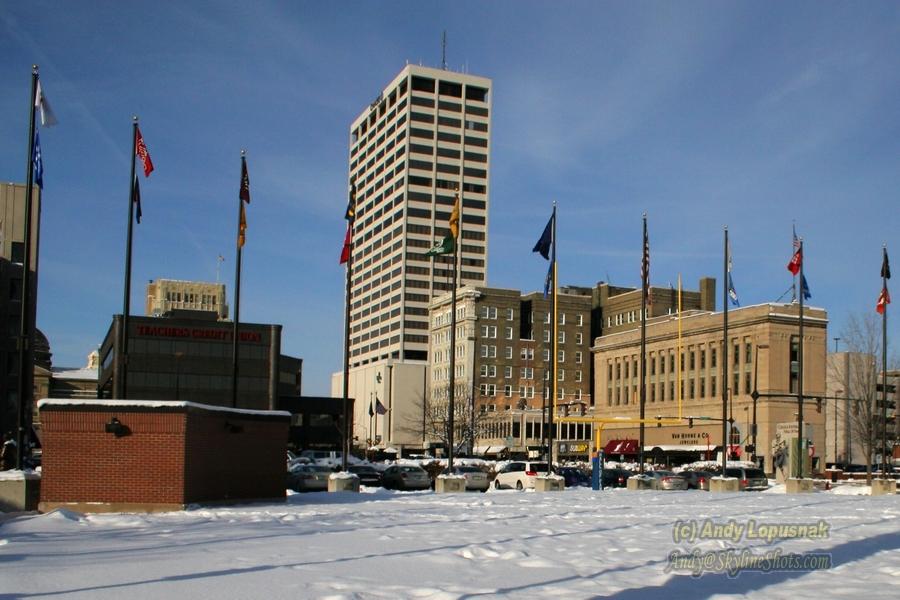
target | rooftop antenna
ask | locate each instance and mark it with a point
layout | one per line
(444, 51)
(219, 260)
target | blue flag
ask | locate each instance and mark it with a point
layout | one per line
(136, 199)
(732, 293)
(544, 244)
(804, 287)
(548, 281)
(38, 161)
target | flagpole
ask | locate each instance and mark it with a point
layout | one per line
(645, 276)
(884, 349)
(726, 379)
(348, 302)
(237, 290)
(26, 332)
(553, 355)
(452, 404)
(801, 446)
(126, 302)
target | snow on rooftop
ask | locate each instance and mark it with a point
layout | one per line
(154, 404)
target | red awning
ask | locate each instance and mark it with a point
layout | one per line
(621, 447)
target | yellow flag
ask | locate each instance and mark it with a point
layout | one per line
(242, 228)
(454, 219)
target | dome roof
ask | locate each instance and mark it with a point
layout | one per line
(41, 349)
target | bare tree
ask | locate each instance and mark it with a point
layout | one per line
(431, 420)
(862, 336)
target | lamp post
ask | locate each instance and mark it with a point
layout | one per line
(836, 393)
(755, 396)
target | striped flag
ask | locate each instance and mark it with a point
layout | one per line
(140, 149)
(48, 119)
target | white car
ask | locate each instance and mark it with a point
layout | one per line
(519, 474)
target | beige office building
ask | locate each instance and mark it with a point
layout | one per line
(164, 295)
(503, 352)
(424, 135)
(763, 346)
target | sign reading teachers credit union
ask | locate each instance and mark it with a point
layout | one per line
(197, 333)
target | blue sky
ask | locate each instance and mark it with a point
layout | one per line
(702, 114)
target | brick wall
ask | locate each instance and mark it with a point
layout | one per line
(171, 456)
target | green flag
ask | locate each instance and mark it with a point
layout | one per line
(447, 246)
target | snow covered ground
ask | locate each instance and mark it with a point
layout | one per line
(381, 544)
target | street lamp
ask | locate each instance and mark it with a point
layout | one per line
(755, 396)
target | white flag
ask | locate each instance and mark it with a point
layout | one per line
(48, 119)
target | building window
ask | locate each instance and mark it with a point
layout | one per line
(484, 370)
(578, 376)
(527, 353)
(561, 375)
(507, 391)
(546, 355)
(509, 352)
(561, 337)
(578, 357)
(509, 333)
(509, 314)
(561, 356)
(579, 320)
(507, 372)
(712, 359)
(546, 336)
(579, 339)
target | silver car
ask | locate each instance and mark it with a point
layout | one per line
(476, 479)
(308, 478)
(405, 477)
(667, 480)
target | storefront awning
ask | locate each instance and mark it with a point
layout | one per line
(621, 447)
(485, 450)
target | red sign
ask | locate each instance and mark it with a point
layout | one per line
(197, 333)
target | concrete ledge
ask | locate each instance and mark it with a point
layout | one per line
(549, 484)
(799, 486)
(19, 491)
(145, 507)
(724, 485)
(344, 483)
(883, 487)
(449, 485)
(636, 483)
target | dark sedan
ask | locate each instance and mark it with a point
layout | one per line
(368, 475)
(574, 477)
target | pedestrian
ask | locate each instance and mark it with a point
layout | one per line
(8, 453)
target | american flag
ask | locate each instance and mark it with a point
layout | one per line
(645, 261)
(140, 149)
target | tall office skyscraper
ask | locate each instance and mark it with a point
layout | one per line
(424, 136)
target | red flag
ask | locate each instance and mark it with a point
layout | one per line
(140, 149)
(796, 261)
(884, 298)
(345, 252)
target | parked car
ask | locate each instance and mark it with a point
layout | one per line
(327, 458)
(405, 477)
(616, 478)
(574, 477)
(308, 478)
(519, 474)
(476, 479)
(667, 480)
(750, 479)
(697, 480)
(368, 475)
